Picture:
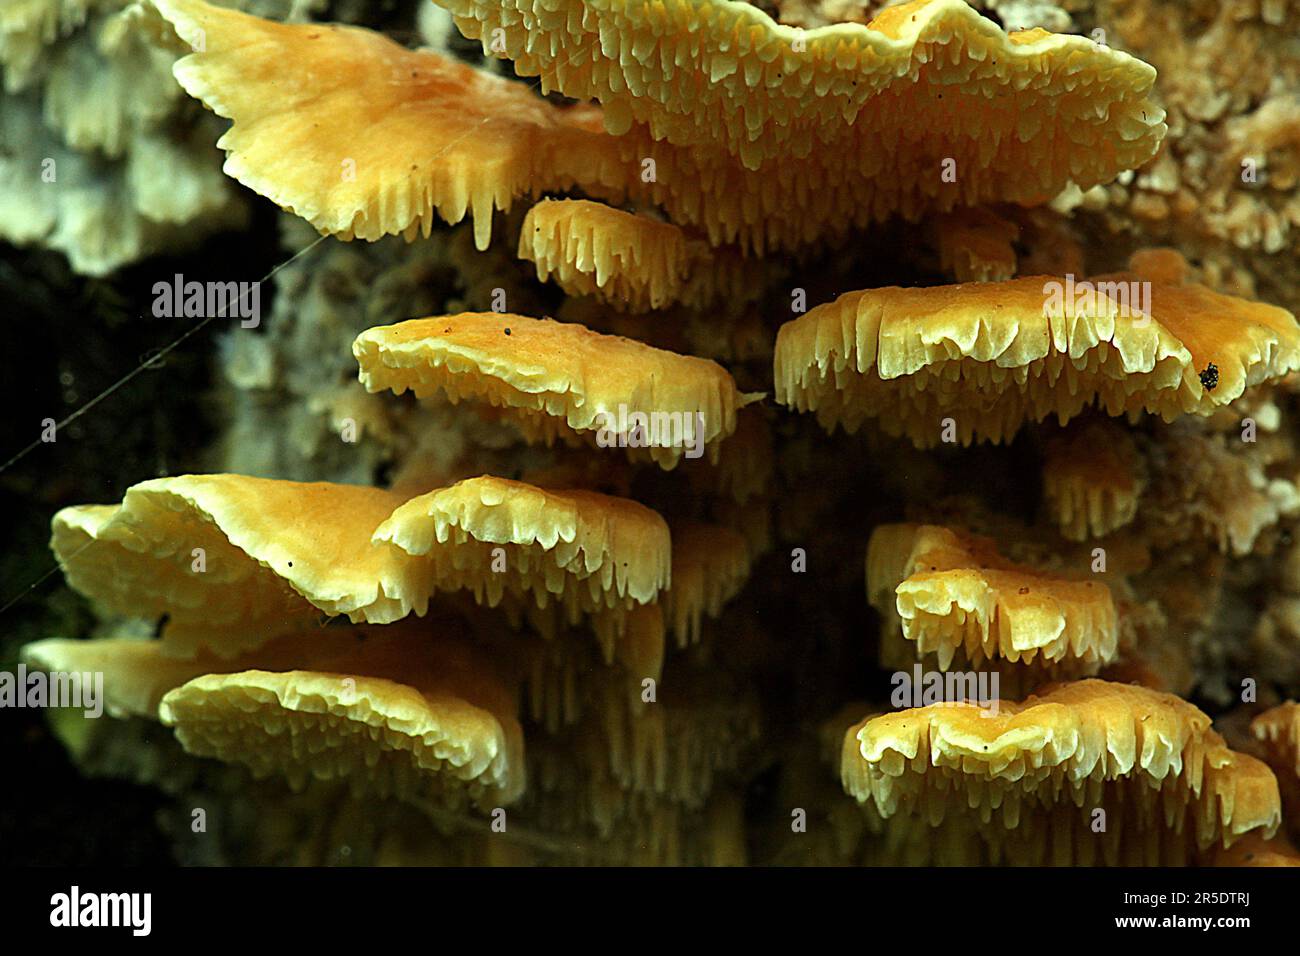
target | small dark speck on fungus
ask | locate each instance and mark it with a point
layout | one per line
(1210, 377)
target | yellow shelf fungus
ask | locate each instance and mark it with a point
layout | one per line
(389, 709)
(631, 261)
(1089, 772)
(975, 245)
(430, 722)
(952, 594)
(234, 558)
(559, 380)
(673, 180)
(718, 130)
(1092, 479)
(583, 552)
(322, 144)
(976, 361)
(723, 74)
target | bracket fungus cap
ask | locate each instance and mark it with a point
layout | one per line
(991, 356)
(589, 551)
(557, 379)
(1149, 759)
(239, 557)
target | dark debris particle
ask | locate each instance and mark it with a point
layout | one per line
(507, 331)
(1210, 377)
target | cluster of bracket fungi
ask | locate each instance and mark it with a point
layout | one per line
(552, 635)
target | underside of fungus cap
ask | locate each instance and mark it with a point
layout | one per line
(364, 138)
(235, 558)
(630, 261)
(399, 713)
(1034, 774)
(561, 676)
(334, 702)
(751, 135)
(587, 552)
(1092, 478)
(1279, 730)
(710, 567)
(976, 245)
(952, 593)
(928, 107)
(137, 673)
(1022, 114)
(670, 752)
(744, 468)
(559, 380)
(978, 360)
